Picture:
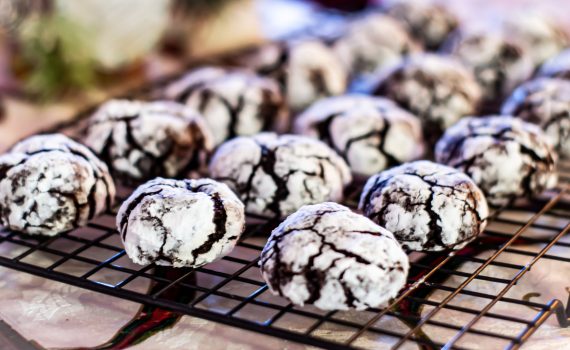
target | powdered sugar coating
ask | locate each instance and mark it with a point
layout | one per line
(233, 102)
(275, 175)
(557, 66)
(307, 69)
(177, 90)
(540, 35)
(506, 157)
(373, 42)
(499, 64)
(427, 21)
(545, 102)
(180, 222)
(141, 140)
(437, 89)
(330, 257)
(428, 206)
(370, 133)
(51, 184)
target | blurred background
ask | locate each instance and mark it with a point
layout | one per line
(58, 56)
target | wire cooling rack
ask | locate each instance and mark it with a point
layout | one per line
(430, 312)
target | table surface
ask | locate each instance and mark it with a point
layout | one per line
(56, 315)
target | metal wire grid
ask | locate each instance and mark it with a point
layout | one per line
(231, 291)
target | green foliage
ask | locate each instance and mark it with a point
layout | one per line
(59, 60)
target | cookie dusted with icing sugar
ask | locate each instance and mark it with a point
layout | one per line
(233, 102)
(373, 42)
(142, 140)
(370, 133)
(275, 175)
(180, 223)
(426, 20)
(545, 102)
(498, 63)
(437, 89)
(506, 157)
(306, 69)
(540, 35)
(335, 259)
(50, 184)
(428, 206)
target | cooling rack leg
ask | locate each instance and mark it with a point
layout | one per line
(561, 313)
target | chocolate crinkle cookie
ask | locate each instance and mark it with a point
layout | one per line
(557, 66)
(306, 69)
(233, 102)
(505, 156)
(142, 140)
(370, 133)
(373, 42)
(330, 257)
(180, 223)
(428, 206)
(430, 23)
(51, 184)
(276, 175)
(499, 64)
(437, 89)
(546, 102)
(540, 35)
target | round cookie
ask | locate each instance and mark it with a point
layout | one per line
(499, 64)
(557, 66)
(539, 35)
(330, 257)
(437, 89)
(180, 223)
(232, 102)
(428, 206)
(545, 102)
(430, 23)
(142, 140)
(370, 133)
(51, 184)
(505, 156)
(307, 70)
(276, 175)
(373, 42)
